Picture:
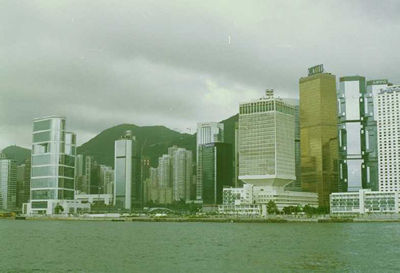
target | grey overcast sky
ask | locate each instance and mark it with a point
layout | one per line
(174, 63)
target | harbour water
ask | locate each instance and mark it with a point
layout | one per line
(97, 246)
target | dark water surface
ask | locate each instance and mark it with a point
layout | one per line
(87, 246)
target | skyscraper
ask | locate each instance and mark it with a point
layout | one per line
(389, 138)
(373, 88)
(23, 183)
(207, 132)
(181, 174)
(216, 171)
(53, 164)
(127, 186)
(318, 133)
(8, 184)
(266, 142)
(357, 136)
(295, 102)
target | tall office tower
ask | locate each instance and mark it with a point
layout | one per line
(79, 173)
(87, 170)
(389, 138)
(318, 133)
(236, 181)
(266, 142)
(127, 186)
(296, 185)
(207, 132)
(8, 184)
(23, 183)
(153, 188)
(106, 179)
(20, 185)
(145, 168)
(357, 136)
(96, 186)
(181, 174)
(373, 89)
(165, 195)
(53, 165)
(164, 171)
(216, 171)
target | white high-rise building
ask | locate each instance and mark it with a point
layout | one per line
(207, 132)
(373, 88)
(389, 138)
(266, 142)
(164, 171)
(8, 183)
(181, 174)
(106, 179)
(53, 168)
(126, 173)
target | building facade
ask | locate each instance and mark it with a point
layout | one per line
(53, 167)
(23, 183)
(216, 171)
(8, 184)
(373, 89)
(127, 184)
(181, 174)
(253, 200)
(318, 133)
(207, 132)
(389, 138)
(364, 201)
(357, 136)
(267, 142)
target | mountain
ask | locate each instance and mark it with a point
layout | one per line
(19, 154)
(154, 141)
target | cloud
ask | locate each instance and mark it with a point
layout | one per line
(150, 63)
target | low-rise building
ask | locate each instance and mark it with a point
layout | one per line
(253, 200)
(107, 199)
(63, 207)
(364, 201)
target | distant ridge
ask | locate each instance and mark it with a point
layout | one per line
(154, 141)
(17, 153)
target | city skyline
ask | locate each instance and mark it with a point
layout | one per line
(187, 70)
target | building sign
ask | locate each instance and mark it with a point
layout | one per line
(378, 82)
(316, 70)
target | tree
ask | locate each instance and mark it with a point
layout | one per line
(271, 207)
(58, 209)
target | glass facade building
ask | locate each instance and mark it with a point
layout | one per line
(53, 162)
(127, 184)
(216, 171)
(357, 136)
(319, 134)
(8, 184)
(207, 132)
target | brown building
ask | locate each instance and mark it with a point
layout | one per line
(318, 133)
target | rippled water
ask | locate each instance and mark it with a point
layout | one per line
(87, 246)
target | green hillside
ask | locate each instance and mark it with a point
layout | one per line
(19, 154)
(154, 141)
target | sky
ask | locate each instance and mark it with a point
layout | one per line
(176, 63)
